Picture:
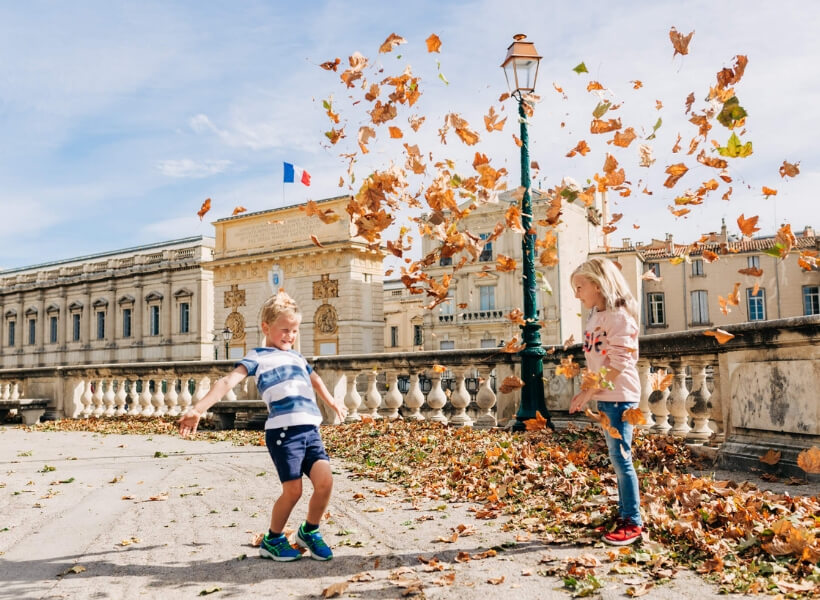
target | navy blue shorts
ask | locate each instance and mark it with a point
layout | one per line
(294, 450)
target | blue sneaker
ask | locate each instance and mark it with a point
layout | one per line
(278, 549)
(314, 543)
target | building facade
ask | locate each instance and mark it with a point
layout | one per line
(690, 283)
(403, 318)
(148, 303)
(334, 276)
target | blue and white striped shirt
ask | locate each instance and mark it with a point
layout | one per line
(283, 381)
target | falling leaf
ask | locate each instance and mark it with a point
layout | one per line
(335, 589)
(767, 191)
(772, 457)
(568, 368)
(675, 172)
(710, 256)
(634, 416)
(311, 209)
(601, 126)
(439, 369)
(316, 241)
(510, 383)
(513, 346)
(238, 210)
(505, 263)
(721, 336)
(433, 43)
(580, 148)
(603, 420)
(735, 148)
(646, 155)
(747, 226)
(809, 460)
(206, 206)
(660, 380)
(622, 140)
(517, 141)
(655, 128)
(752, 271)
(331, 65)
(580, 68)
(537, 423)
(391, 42)
(788, 169)
(395, 132)
(491, 121)
(680, 42)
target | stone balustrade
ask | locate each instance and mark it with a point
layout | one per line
(755, 392)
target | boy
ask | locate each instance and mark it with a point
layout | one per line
(286, 383)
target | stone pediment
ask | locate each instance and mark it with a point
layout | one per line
(100, 302)
(31, 311)
(183, 293)
(53, 308)
(127, 299)
(76, 305)
(153, 297)
(11, 313)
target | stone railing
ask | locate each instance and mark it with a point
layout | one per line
(753, 393)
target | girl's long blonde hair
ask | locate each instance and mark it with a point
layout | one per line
(609, 279)
(278, 304)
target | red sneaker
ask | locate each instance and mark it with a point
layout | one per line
(624, 535)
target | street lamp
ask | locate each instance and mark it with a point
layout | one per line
(521, 70)
(227, 334)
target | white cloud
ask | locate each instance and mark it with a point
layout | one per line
(190, 168)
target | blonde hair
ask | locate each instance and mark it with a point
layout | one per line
(605, 274)
(279, 304)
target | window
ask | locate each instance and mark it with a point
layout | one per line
(184, 317)
(654, 267)
(447, 307)
(655, 309)
(447, 345)
(487, 295)
(154, 320)
(811, 300)
(700, 307)
(756, 304)
(486, 252)
(418, 337)
(394, 337)
(753, 262)
(32, 331)
(52, 336)
(488, 343)
(445, 261)
(126, 322)
(11, 333)
(697, 267)
(75, 326)
(100, 325)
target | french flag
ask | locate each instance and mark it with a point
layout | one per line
(294, 174)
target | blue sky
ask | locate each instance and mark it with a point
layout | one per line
(117, 119)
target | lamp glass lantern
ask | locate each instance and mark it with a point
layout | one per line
(227, 334)
(521, 66)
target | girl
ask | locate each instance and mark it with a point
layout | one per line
(611, 341)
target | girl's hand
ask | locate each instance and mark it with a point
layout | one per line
(579, 401)
(189, 422)
(340, 409)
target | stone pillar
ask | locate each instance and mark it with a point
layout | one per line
(677, 401)
(698, 405)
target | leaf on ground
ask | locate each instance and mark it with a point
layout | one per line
(772, 457)
(335, 589)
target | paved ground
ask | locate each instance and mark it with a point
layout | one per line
(164, 517)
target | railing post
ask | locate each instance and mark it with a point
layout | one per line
(158, 399)
(119, 398)
(98, 399)
(145, 399)
(372, 399)
(659, 407)
(677, 400)
(646, 390)
(87, 400)
(436, 399)
(353, 400)
(414, 399)
(172, 398)
(393, 399)
(134, 399)
(108, 399)
(460, 399)
(185, 394)
(697, 403)
(485, 399)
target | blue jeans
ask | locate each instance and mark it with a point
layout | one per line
(620, 455)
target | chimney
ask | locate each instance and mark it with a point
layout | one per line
(808, 231)
(724, 236)
(627, 243)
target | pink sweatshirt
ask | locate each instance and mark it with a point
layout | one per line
(611, 340)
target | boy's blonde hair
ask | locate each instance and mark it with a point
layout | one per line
(608, 277)
(277, 305)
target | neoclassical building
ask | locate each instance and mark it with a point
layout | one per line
(336, 280)
(147, 303)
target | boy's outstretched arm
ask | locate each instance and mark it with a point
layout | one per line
(321, 390)
(190, 420)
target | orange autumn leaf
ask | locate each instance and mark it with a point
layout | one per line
(537, 423)
(809, 460)
(311, 209)
(238, 210)
(513, 346)
(517, 141)
(622, 140)
(391, 42)
(767, 191)
(415, 122)
(316, 241)
(604, 126)
(680, 42)
(491, 121)
(568, 368)
(512, 218)
(636, 84)
(634, 416)
(510, 384)
(206, 206)
(660, 380)
(334, 135)
(724, 306)
(752, 271)
(721, 336)
(594, 85)
(604, 422)
(580, 148)
(395, 132)
(516, 315)
(433, 43)
(788, 169)
(675, 172)
(807, 260)
(439, 369)
(747, 226)
(772, 457)
(505, 263)
(679, 212)
(734, 297)
(331, 65)
(710, 256)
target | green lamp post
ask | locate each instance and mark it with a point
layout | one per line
(521, 70)
(227, 334)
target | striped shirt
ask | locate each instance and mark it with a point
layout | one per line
(283, 381)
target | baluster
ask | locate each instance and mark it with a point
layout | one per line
(108, 399)
(353, 399)
(87, 400)
(659, 407)
(372, 399)
(75, 409)
(414, 399)
(145, 399)
(97, 399)
(460, 399)
(436, 399)
(393, 399)
(646, 390)
(717, 423)
(185, 395)
(5, 391)
(697, 403)
(485, 399)
(158, 399)
(133, 399)
(15, 392)
(120, 398)
(677, 400)
(172, 398)
(202, 388)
